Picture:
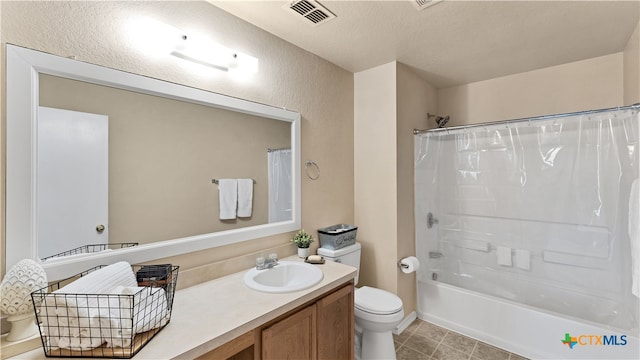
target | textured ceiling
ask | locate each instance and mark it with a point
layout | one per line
(452, 42)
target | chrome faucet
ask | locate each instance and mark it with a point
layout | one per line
(271, 261)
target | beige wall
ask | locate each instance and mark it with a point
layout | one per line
(375, 174)
(415, 98)
(390, 101)
(632, 69)
(288, 77)
(583, 85)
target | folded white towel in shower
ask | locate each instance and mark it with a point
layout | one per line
(245, 197)
(228, 198)
(634, 235)
(523, 259)
(504, 255)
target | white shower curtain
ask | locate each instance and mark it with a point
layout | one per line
(280, 185)
(554, 192)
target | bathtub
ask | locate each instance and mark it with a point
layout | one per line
(518, 328)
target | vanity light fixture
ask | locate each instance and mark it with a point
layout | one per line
(216, 56)
(155, 38)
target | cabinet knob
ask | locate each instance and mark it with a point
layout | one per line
(100, 228)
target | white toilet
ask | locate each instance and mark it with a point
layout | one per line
(377, 311)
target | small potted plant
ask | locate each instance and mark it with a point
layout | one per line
(302, 241)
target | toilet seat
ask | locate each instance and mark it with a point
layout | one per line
(377, 301)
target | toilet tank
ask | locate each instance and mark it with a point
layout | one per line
(348, 255)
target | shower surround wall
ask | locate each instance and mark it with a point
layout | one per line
(532, 234)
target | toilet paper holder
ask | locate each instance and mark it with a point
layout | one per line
(412, 266)
(409, 264)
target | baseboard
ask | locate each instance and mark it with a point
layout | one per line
(405, 323)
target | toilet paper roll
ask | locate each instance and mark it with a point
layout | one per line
(409, 264)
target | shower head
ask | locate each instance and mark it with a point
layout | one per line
(442, 121)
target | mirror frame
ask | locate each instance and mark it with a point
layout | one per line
(22, 98)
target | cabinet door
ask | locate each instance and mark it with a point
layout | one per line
(293, 337)
(336, 325)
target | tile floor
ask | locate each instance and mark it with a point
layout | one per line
(426, 341)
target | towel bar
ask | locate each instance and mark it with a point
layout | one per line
(215, 181)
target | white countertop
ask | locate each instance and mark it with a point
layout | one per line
(210, 314)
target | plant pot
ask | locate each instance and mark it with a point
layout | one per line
(303, 252)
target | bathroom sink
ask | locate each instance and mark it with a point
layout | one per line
(287, 276)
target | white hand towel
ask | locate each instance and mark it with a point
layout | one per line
(228, 198)
(245, 197)
(504, 255)
(523, 259)
(634, 235)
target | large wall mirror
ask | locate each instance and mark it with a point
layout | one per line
(97, 156)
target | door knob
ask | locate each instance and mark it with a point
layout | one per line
(100, 228)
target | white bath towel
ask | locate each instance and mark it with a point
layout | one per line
(228, 198)
(144, 308)
(68, 314)
(504, 255)
(634, 236)
(67, 324)
(69, 320)
(523, 259)
(245, 197)
(102, 281)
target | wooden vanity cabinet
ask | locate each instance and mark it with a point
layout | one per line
(335, 329)
(322, 329)
(293, 337)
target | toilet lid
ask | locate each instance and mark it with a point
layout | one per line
(377, 301)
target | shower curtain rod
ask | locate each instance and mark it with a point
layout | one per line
(279, 149)
(535, 118)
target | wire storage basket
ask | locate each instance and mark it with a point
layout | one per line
(91, 248)
(117, 324)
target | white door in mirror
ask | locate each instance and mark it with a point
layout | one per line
(72, 180)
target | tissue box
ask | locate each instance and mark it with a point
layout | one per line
(337, 236)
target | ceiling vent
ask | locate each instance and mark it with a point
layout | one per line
(314, 13)
(423, 4)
